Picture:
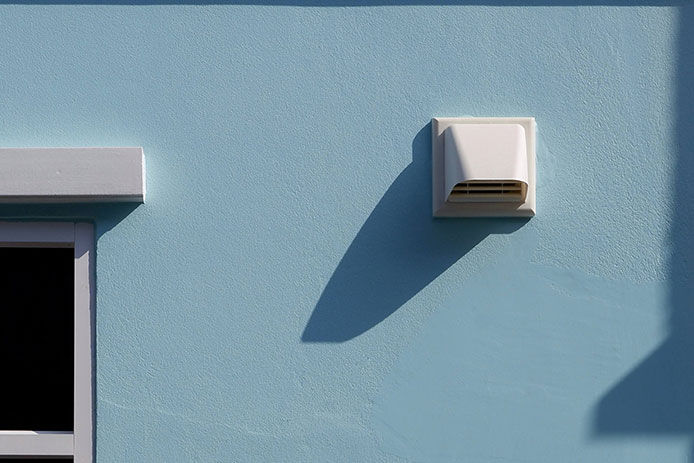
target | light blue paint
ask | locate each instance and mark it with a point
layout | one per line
(284, 294)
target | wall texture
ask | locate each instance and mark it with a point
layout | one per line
(284, 294)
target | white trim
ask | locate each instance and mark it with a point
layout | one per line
(45, 234)
(80, 442)
(71, 175)
(84, 306)
(36, 443)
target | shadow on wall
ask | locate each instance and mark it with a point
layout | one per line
(398, 251)
(657, 397)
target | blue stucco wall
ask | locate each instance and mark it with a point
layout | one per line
(284, 294)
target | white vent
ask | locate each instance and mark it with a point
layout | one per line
(483, 167)
(484, 191)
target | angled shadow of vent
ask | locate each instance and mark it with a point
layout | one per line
(398, 251)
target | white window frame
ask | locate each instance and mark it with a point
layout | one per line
(79, 443)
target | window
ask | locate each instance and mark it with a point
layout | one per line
(47, 287)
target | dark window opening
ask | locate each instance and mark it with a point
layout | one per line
(37, 339)
(36, 460)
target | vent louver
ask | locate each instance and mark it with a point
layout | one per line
(488, 191)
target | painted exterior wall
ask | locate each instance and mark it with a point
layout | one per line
(284, 294)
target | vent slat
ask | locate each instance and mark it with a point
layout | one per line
(488, 188)
(489, 184)
(485, 191)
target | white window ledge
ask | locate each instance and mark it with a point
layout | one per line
(71, 175)
(37, 443)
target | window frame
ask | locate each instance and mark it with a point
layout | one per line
(79, 443)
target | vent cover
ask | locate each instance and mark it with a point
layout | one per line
(488, 191)
(483, 166)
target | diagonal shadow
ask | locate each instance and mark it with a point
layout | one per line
(657, 397)
(398, 251)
